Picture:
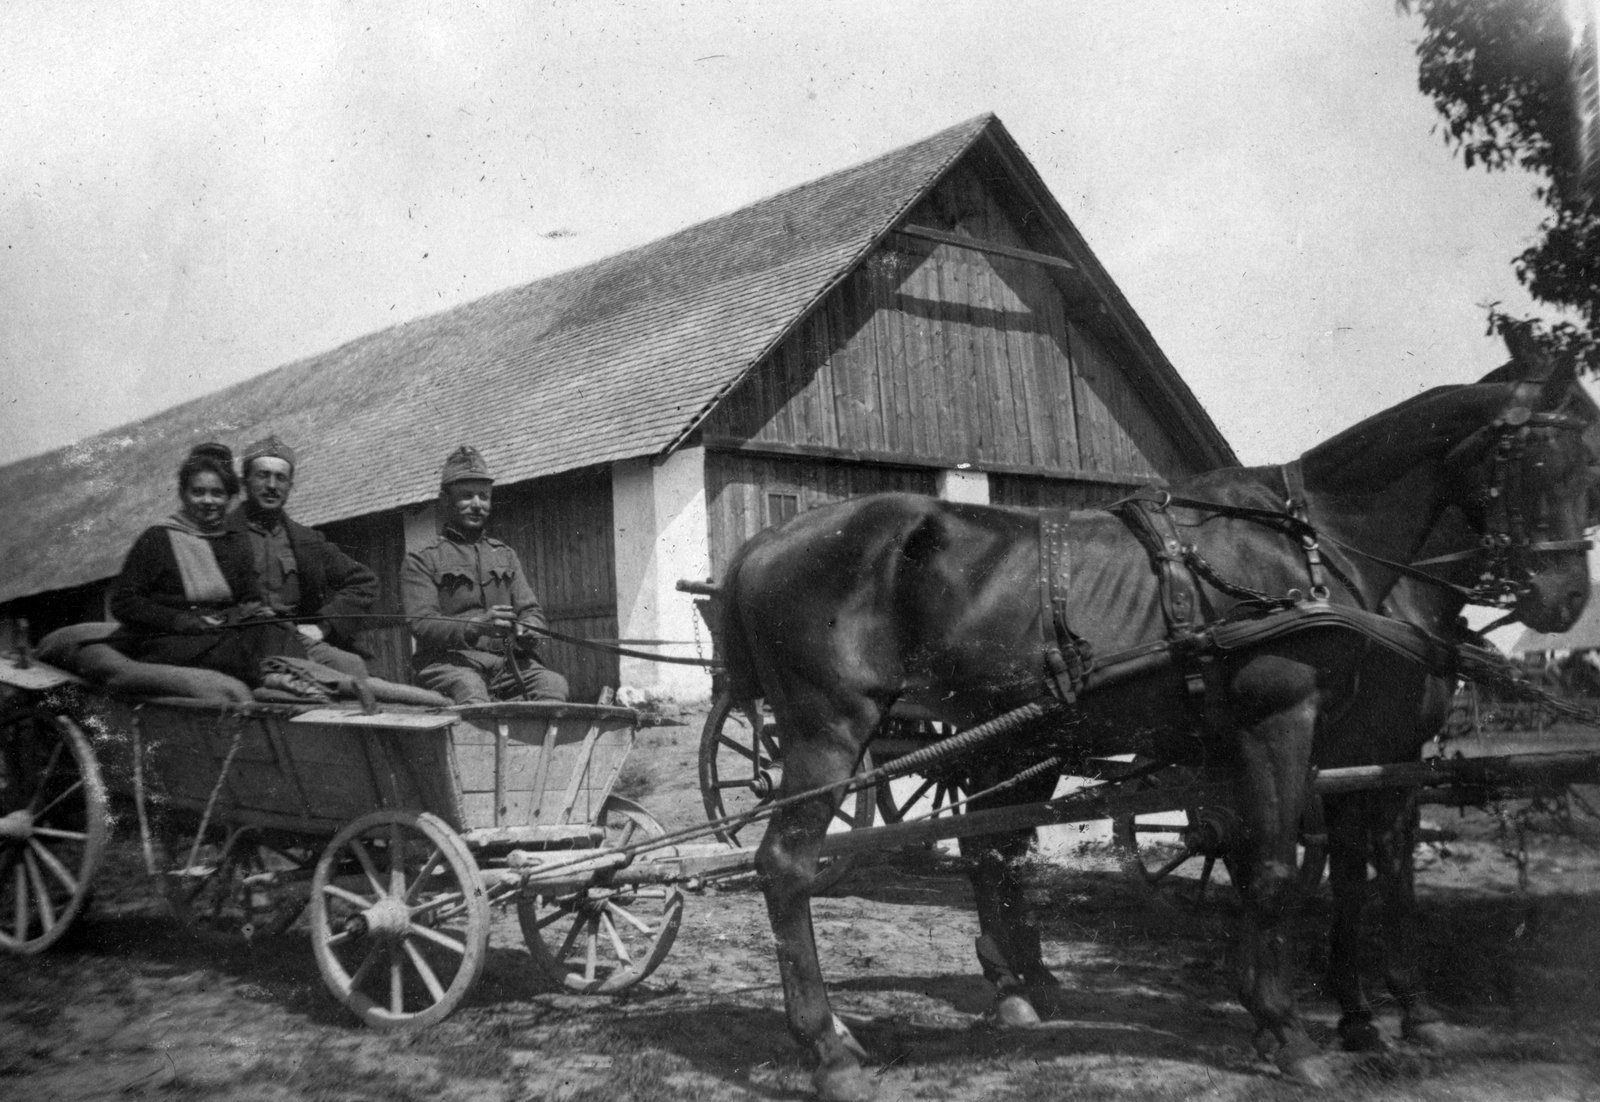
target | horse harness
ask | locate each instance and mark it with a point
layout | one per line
(1197, 640)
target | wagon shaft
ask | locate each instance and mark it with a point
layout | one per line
(1441, 781)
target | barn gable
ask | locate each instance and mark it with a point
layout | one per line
(973, 337)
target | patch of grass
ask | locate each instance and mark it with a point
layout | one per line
(324, 1076)
(478, 1060)
(637, 1077)
(33, 1014)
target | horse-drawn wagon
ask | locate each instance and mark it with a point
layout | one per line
(394, 832)
(1228, 641)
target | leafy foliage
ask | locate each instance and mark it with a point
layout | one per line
(1498, 72)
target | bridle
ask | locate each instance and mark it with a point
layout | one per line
(1506, 542)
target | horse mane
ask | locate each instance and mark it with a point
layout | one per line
(1372, 454)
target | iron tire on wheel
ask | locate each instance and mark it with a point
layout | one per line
(637, 932)
(364, 913)
(736, 760)
(53, 827)
(597, 940)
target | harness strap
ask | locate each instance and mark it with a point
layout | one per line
(1404, 639)
(1176, 588)
(1180, 595)
(1067, 657)
(1294, 483)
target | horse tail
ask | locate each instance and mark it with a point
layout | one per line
(738, 667)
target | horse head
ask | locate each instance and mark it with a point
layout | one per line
(1526, 484)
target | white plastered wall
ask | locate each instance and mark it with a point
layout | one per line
(971, 487)
(661, 534)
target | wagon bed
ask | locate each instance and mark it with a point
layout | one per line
(496, 774)
(392, 831)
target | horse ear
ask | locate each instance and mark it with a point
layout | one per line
(1558, 384)
(1531, 360)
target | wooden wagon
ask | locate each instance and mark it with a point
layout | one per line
(393, 832)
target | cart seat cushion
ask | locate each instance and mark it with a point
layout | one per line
(81, 649)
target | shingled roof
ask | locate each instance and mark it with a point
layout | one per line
(614, 360)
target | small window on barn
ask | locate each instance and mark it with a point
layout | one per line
(781, 508)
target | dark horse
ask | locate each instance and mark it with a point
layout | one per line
(848, 609)
(1400, 708)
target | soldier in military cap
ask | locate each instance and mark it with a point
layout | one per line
(466, 594)
(301, 574)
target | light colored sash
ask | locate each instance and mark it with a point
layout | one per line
(203, 583)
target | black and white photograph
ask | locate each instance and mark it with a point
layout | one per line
(625, 551)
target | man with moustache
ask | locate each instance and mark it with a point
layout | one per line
(301, 575)
(465, 595)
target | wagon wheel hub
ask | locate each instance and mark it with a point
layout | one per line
(387, 919)
(1214, 833)
(763, 785)
(16, 826)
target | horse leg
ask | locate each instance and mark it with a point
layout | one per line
(823, 752)
(1274, 754)
(1347, 823)
(1008, 945)
(1394, 846)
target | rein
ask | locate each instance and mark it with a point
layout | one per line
(1505, 539)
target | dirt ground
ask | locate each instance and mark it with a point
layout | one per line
(132, 1005)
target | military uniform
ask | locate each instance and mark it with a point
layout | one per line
(303, 576)
(447, 589)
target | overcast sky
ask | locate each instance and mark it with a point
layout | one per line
(187, 200)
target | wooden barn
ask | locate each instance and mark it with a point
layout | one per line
(928, 321)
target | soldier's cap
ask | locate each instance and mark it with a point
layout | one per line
(463, 464)
(270, 448)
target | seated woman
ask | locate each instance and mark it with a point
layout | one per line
(187, 594)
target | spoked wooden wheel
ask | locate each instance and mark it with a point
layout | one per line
(626, 822)
(240, 888)
(920, 794)
(740, 771)
(399, 918)
(1207, 835)
(53, 827)
(1204, 836)
(598, 940)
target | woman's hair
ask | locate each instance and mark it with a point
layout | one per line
(215, 458)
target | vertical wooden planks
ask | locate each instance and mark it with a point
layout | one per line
(893, 363)
(560, 528)
(379, 543)
(950, 355)
(916, 292)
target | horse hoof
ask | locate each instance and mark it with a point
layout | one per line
(1301, 1061)
(851, 1045)
(1314, 1070)
(1361, 1035)
(844, 1083)
(1430, 1035)
(1015, 1012)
